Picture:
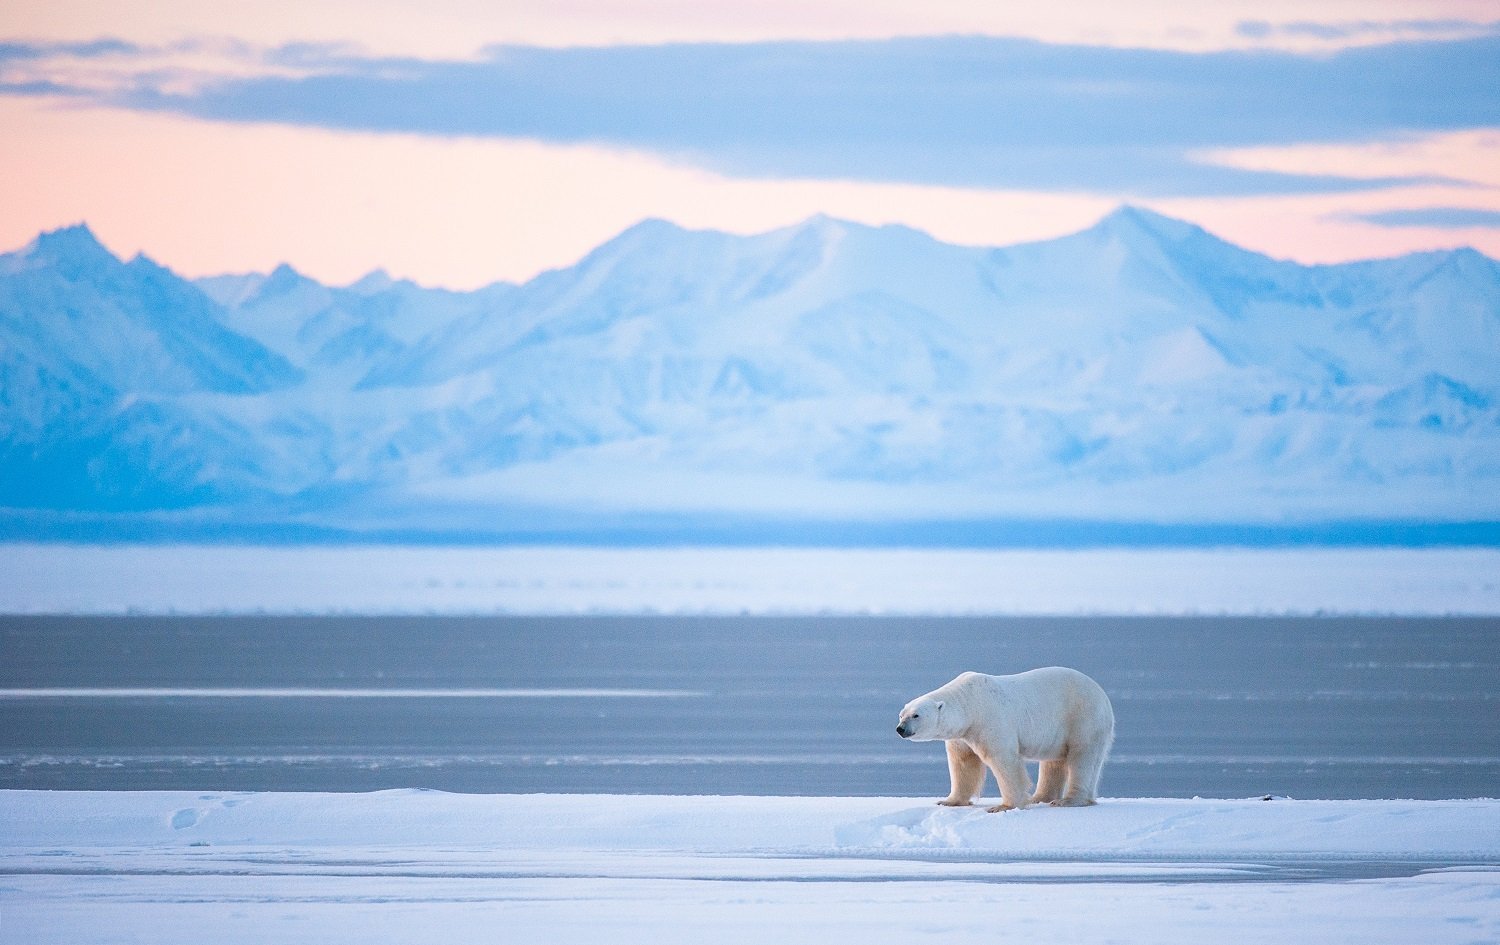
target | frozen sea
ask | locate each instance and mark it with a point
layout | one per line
(1325, 707)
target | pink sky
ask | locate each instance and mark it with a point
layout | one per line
(207, 197)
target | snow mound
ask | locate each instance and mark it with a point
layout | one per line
(1134, 827)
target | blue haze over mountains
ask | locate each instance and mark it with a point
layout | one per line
(1140, 381)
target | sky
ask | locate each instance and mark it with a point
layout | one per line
(460, 142)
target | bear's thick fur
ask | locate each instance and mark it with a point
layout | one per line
(1056, 716)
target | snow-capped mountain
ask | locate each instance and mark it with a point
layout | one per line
(99, 360)
(1141, 370)
(331, 332)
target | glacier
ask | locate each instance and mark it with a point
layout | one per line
(828, 382)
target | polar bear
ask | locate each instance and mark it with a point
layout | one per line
(1057, 716)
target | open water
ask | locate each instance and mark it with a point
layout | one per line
(1217, 707)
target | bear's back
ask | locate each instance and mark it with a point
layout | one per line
(1042, 688)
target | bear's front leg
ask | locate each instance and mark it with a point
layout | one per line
(1015, 783)
(965, 775)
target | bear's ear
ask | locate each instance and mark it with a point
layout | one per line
(940, 707)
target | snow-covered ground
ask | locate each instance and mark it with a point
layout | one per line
(418, 867)
(102, 579)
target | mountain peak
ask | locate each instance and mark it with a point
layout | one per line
(1128, 220)
(72, 252)
(78, 233)
(283, 279)
(651, 235)
(826, 225)
(1469, 256)
(371, 283)
(281, 283)
(651, 228)
(649, 231)
(822, 221)
(1145, 233)
(76, 243)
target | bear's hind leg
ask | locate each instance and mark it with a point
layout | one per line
(1084, 767)
(1051, 777)
(965, 773)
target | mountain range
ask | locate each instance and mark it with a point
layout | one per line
(823, 382)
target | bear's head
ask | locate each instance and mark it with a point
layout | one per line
(927, 719)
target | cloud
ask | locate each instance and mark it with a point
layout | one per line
(1442, 218)
(11, 51)
(40, 69)
(36, 87)
(951, 111)
(1347, 30)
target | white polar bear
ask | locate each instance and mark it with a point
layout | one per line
(1057, 716)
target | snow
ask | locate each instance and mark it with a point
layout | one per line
(417, 867)
(190, 579)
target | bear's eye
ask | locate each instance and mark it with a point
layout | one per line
(915, 715)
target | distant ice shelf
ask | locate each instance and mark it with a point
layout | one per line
(196, 579)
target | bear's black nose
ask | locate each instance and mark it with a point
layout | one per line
(901, 730)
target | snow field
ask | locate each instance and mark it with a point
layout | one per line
(419, 867)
